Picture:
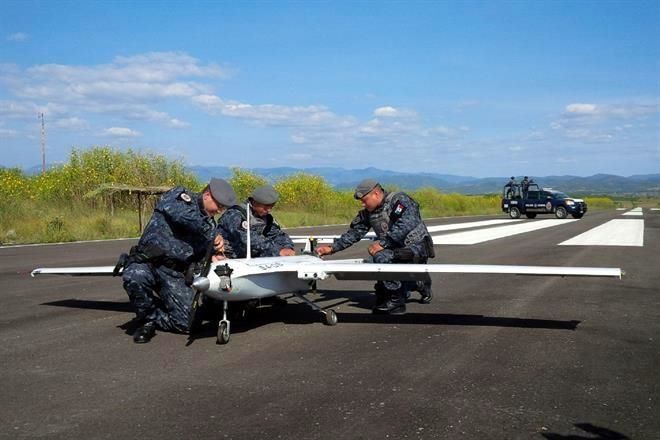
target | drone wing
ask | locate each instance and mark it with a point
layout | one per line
(351, 270)
(325, 239)
(75, 271)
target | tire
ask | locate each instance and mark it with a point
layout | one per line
(561, 212)
(531, 215)
(514, 212)
(223, 333)
(330, 318)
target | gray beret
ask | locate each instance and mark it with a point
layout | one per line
(265, 194)
(222, 192)
(365, 188)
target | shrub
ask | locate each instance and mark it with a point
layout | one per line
(244, 182)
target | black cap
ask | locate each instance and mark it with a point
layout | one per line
(365, 188)
(265, 194)
(222, 192)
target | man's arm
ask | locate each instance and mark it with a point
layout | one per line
(281, 240)
(357, 230)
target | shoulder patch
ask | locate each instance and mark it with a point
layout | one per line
(185, 197)
(399, 209)
(244, 225)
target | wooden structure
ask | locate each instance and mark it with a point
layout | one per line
(140, 191)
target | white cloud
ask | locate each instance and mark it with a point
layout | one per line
(391, 112)
(18, 37)
(130, 87)
(175, 123)
(120, 132)
(612, 110)
(7, 132)
(71, 123)
(272, 114)
(582, 109)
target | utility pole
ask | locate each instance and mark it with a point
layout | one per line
(43, 143)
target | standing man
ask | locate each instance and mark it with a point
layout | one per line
(266, 237)
(401, 237)
(181, 232)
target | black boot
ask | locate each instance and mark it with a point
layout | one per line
(425, 291)
(145, 333)
(396, 305)
(382, 295)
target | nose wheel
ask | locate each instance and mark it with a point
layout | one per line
(223, 327)
(223, 333)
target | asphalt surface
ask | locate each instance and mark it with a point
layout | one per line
(492, 357)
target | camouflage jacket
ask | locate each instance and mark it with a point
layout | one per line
(179, 229)
(397, 223)
(266, 236)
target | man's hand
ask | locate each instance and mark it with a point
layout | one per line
(219, 257)
(375, 248)
(323, 250)
(219, 244)
(287, 252)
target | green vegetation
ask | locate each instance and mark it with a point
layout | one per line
(64, 203)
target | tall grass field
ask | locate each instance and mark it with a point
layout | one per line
(71, 202)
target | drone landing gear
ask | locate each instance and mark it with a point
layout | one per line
(329, 317)
(223, 326)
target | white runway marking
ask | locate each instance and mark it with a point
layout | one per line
(479, 236)
(455, 226)
(619, 232)
(634, 211)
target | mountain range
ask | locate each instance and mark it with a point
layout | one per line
(340, 178)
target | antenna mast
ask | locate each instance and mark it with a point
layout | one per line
(43, 143)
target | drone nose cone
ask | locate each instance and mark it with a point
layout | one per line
(201, 284)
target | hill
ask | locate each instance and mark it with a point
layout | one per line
(598, 184)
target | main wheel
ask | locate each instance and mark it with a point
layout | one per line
(330, 317)
(223, 332)
(514, 212)
(561, 212)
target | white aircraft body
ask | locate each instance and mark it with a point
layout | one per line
(256, 278)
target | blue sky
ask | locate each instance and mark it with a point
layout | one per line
(479, 88)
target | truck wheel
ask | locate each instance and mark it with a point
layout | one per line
(561, 212)
(531, 215)
(514, 212)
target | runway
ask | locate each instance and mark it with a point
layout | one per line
(492, 357)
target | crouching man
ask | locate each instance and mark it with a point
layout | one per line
(401, 237)
(180, 233)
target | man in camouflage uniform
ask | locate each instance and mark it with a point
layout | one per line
(266, 237)
(180, 233)
(401, 237)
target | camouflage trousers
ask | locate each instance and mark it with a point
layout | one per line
(402, 287)
(159, 294)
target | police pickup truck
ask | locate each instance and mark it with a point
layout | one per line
(528, 198)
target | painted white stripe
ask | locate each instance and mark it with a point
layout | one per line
(655, 209)
(634, 211)
(467, 225)
(620, 209)
(322, 239)
(619, 232)
(481, 235)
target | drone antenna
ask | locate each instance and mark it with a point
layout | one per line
(248, 252)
